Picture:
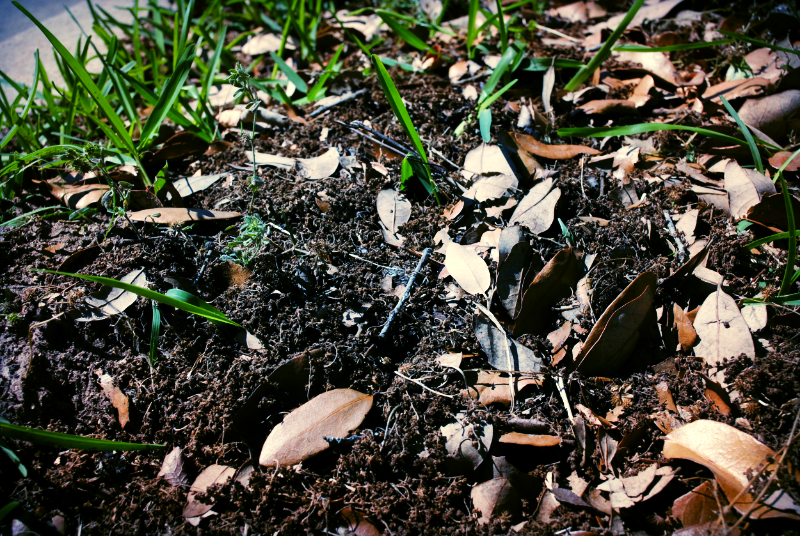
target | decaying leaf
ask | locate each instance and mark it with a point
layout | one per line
(722, 330)
(394, 209)
(111, 301)
(555, 152)
(699, 506)
(302, 433)
(536, 211)
(775, 115)
(461, 443)
(552, 284)
(178, 216)
(76, 194)
(214, 474)
(614, 336)
(172, 468)
(264, 159)
(746, 187)
(467, 268)
(656, 63)
(730, 454)
(485, 159)
(493, 341)
(494, 497)
(118, 399)
(319, 167)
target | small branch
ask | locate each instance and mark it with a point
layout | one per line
(406, 294)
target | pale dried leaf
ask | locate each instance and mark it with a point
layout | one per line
(722, 330)
(485, 159)
(190, 185)
(461, 445)
(172, 468)
(452, 360)
(531, 440)
(490, 187)
(656, 63)
(755, 316)
(302, 433)
(118, 399)
(112, 301)
(177, 216)
(536, 211)
(265, 43)
(214, 474)
(319, 167)
(394, 209)
(735, 89)
(493, 388)
(467, 268)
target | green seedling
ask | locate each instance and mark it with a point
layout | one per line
(192, 305)
(252, 237)
(672, 48)
(747, 135)
(401, 113)
(605, 51)
(240, 79)
(629, 130)
(68, 441)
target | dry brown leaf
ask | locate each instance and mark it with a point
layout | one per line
(745, 187)
(532, 440)
(552, 284)
(511, 275)
(358, 524)
(653, 10)
(302, 433)
(172, 468)
(697, 507)
(467, 268)
(485, 159)
(493, 341)
(614, 336)
(494, 497)
(488, 187)
(735, 89)
(771, 212)
(775, 115)
(214, 474)
(722, 330)
(765, 63)
(492, 387)
(536, 211)
(394, 209)
(77, 195)
(779, 158)
(178, 216)
(730, 454)
(687, 336)
(555, 152)
(180, 145)
(118, 399)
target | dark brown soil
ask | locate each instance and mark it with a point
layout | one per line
(396, 471)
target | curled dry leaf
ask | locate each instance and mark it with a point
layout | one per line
(555, 152)
(536, 211)
(118, 399)
(730, 454)
(172, 468)
(494, 497)
(697, 507)
(214, 474)
(319, 167)
(394, 209)
(614, 336)
(775, 115)
(722, 330)
(302, 433)
(111, 301)
(745, 187)
(554, 283)
(656, 63)
(178, 216)
(467, 268)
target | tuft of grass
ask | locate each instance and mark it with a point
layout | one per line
(605, 51)
(400, 111)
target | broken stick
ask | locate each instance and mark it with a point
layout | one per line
(425, 254)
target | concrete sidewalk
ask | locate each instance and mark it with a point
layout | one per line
(19, 37)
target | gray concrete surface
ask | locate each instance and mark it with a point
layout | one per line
(19, 37)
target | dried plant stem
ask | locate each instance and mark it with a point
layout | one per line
(406, 294)
(434, 391)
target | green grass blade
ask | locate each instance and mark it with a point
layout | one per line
(68, 441)
(13, 130)
(404, 33)
(672, 48)
(206, 311)
(472, 31)
(629, 130)
(747, 135)
(497, 73)
(12, 456)
(485, 124)
(489, 100)
(290, 73)
(113, 118)
(791, 254)
(213, 66)
(7, 509)
(542, 64)
(184, 32)
(152, 99)
(329, 70)
(155, 331)
(169, 94)
(767, 240)
(501, 25)
(758, 42)
(400, 111)
(21, 219)
(605, 51)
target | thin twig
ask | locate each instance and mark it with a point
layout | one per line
(406, 293)
(434, 391)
